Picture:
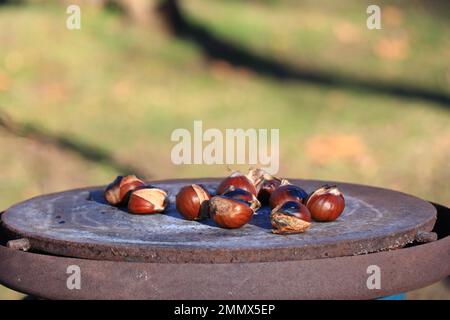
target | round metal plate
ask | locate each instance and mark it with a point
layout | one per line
(79, 223)
(402, 270)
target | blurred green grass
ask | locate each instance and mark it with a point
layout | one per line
(125, 88)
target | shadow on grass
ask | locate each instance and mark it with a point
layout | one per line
(217, 48)
(11, 2)
(86, 151)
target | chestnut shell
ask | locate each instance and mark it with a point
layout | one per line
(229, 213)
(267, 187)
(287, 192)
(192, 202)
(147, 201)
(290, 217)
(118, 191)
(243, 195)
(239, 181)
(326, 204)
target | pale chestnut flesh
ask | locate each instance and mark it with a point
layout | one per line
(112, 192)
(129, 184)
(117, 192)
(147, 201)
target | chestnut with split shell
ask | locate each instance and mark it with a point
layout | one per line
(117, 192)
(147, 201)
(267, 186)
(229, 213)
(326, 203)
(287, 192)
(290, 217)
(243, 195)
(193, 202)
(249, 182)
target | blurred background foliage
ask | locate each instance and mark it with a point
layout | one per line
(78, 107)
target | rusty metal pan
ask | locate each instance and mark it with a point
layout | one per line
(400, 270)
(78, 223)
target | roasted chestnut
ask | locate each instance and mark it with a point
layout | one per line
(238, 180)
(147, 201)
(192, 202)
(290, 217)
(326, 203)
(117, 192)
(243, 195)
(267, 187)
(287, 192)
(229, 213)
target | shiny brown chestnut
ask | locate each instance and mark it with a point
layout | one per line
(239, 180)
(192, 202)
(243, 195)
(290, 217)
(147, 201)
(229, 213)
(287, 192)
(117, 192)
(268, 185)
(326, 203)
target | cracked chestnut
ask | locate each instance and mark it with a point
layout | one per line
(290, 217)
(239, 180)
(287, 192)
(243, 195)
(193, 202)
(117, 192)
(147, 201)
(229, 213)
(326, 203)
(268, 185)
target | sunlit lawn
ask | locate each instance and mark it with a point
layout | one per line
(126, 88)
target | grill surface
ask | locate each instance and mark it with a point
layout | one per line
(79, 223)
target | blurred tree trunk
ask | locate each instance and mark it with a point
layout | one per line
(154, 13)
(141, 11)
(163, 14)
